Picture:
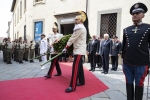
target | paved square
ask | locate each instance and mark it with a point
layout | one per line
(115, 80)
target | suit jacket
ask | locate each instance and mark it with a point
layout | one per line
(92, 47)
(136, 45)
(106, 47)
(98, 47)
(116, 48)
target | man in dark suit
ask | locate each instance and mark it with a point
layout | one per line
(98, 51)
(106, 52)
(92, 47)
(116, 51)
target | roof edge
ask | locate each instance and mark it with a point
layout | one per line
(13, 5)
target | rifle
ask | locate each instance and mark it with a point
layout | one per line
(52, 58)
(39, 56)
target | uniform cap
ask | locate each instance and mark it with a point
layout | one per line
(138, 7)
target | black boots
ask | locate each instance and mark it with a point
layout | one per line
(130, 91)
(139, 92)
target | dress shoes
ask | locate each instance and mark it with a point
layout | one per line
(9, 63)
(93, 69)
(69, 89)
(57, 75)
(106, 73)
(115, 69)
(47, 76)
(112, 69)
(79, 84)
(103, 72)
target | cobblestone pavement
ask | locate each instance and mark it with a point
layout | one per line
(115, 80)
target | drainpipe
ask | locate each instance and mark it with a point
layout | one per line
(87, 5)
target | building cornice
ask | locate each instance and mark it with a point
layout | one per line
(13, 5)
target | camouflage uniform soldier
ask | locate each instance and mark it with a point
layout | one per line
(26, 50)
(5, 50)
(21, 51)
(9, 51)
(31, 51)
(17, 47)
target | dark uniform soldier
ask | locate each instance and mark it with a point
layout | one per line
(9, 51)
(116, 51)
(135, 52)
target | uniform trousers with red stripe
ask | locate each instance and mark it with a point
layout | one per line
(135, 73)
(77, 72)
(54, 63)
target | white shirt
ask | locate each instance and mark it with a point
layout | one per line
(54, 37)
(43, 46)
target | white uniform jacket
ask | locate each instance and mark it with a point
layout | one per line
(78, 39)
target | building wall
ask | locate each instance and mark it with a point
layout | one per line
(124, 6)
(42, 12)
(45, 12)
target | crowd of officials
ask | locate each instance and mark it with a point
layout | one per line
(99, 51)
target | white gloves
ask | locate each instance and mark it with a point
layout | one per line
(64, 50)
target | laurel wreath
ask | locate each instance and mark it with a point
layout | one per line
(60, 45)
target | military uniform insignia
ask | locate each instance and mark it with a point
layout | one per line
(136, 6)
(135, 30)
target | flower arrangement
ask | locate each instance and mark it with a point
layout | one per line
(59, 46)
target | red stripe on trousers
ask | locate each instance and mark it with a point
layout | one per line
(125, 76)
(143, 77)
(75, 72)
(53, 66)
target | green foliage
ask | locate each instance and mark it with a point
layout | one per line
(60, 45)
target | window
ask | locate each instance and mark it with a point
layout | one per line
(108, 24)
(25, 5)
(21, 9)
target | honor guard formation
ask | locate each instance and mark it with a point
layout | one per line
(134, 50)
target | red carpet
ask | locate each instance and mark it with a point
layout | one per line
(50, 89)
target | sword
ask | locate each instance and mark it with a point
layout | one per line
(52, 58)
(39, 56)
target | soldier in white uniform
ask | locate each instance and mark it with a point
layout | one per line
(43, 49)
(54, 38)
(78, 39)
